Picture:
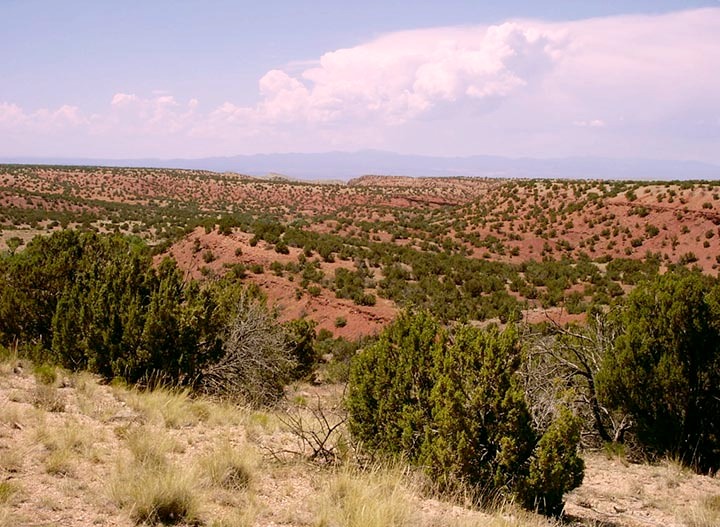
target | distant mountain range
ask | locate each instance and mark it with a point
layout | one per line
(347, 165)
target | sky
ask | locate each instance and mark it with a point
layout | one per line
(191, 78)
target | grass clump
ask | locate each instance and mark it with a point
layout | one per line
(155, 495)
(237, 518)
(10, 414)
(64, 444)
(147, 485)
(45, 374)
(378, 497)
(165, 407)
(12, 460)
(148, 447)
(673, 472)
(8, 489)
(60, 463)
(89, 396)
(229, 468)
(706, 513)
(71, 436)
(47, 397)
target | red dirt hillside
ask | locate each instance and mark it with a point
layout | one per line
(325, 308)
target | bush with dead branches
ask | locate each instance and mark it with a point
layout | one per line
(256, 362)
(320, 434)
(561, 369)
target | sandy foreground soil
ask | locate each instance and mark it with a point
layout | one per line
(74, 452)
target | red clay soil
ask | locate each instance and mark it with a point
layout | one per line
(325, 309)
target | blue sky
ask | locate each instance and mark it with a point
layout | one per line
(519, 78)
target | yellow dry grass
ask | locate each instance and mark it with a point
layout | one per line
(126, 457)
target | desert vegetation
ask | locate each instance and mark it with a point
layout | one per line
(451, 351)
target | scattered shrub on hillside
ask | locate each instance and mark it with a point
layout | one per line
(282, 248)
(687, 258)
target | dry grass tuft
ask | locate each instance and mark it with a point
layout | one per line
(47, 397)
(64, 445)
(12, 460)
(219, 413)
(11, 414)
(166, 495)
(394, 497)
(88, 395)
(229, 468)
(60, 463)
(245, 517)
(8, 489)
(673, 472)
(165, 407)
(507, 516)
(70, 436)
(706, 513)
(378, 497)
(149, 447)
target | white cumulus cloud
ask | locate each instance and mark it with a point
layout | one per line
(400, 76)
(641, 85)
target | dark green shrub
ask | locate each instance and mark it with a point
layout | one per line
(365, 299)
(300, 338)
(277, 268)
(237, 271)
(687, 258)
(282, 248)
(86, 301)
(390, 384)
(555, 467)
(454, 404)
(665, 368)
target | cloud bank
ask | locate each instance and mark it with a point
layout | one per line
(624, 85)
